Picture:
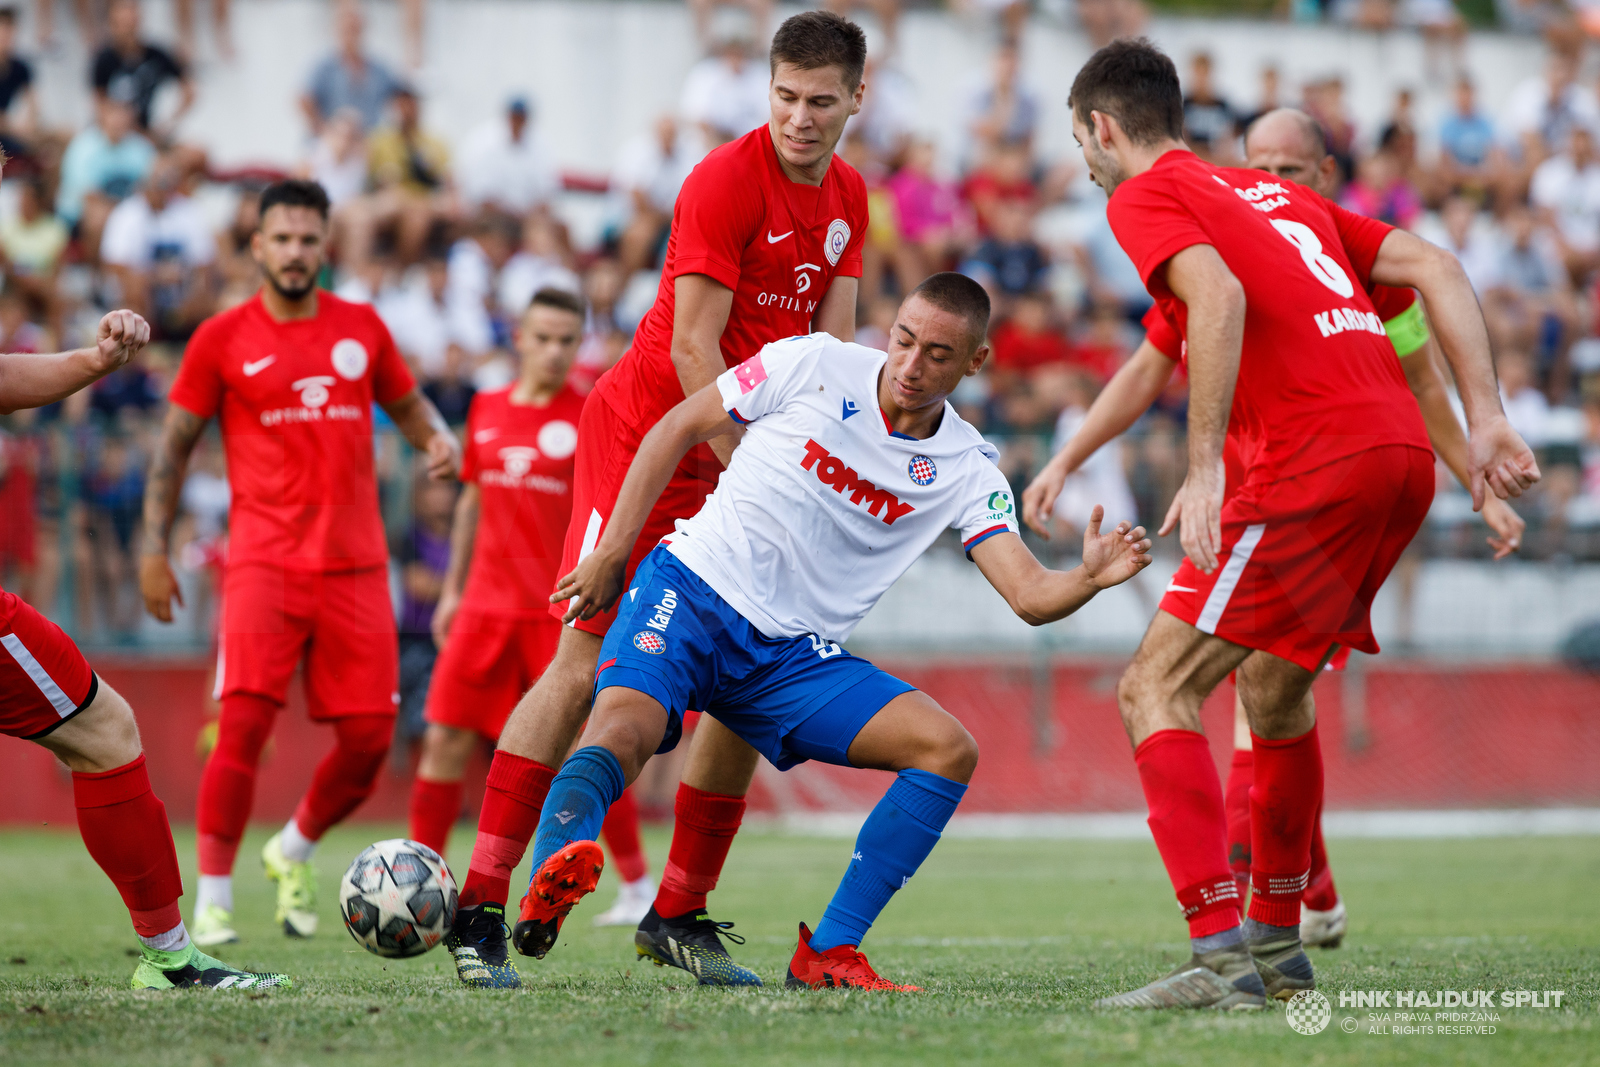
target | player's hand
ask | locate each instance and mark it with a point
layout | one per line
(1112, 558)
(593, 586)
(1039, 499)
(1507, 527)
(158, 585)
(1497, 457)
(120, 337)
(444, 613)
(444, 456)
(1197, 511)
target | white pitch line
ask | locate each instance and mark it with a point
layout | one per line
(1130, 826)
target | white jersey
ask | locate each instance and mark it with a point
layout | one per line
(823, 508)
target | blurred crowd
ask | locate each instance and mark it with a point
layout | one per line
(448, 231)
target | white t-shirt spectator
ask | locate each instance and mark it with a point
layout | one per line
(731, 101)
(419, 323)
(1527, 412)
(137, 236)
(1529, 109)
(342, 179)
(1479, 256)
(642, 166)
(1573, 196)
(525, 274)
(516, 175)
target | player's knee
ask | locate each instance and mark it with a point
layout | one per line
(367, 735)
(948, 750)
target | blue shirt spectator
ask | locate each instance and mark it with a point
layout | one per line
(108, 158)
(1466, 135)
(349, 79)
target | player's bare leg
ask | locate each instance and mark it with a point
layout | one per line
(533, 743)
(677, 931)
(125, 829)
(1160, 694)
(436, 790)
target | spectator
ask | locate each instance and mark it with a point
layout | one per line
(452, 390)
(1541, 111)
(1566, 187)
(349, 78)
(1473, 244)
(1466, 136)
(18, 332)
(1533, 308)
(725, 94)
(240, 275)
(476, 262)
(1102, 479)
(1005, 177)
(507, 167)
(161, 250)
(19, 469)
(650, 171)
(1103, 347)
(1210, 124)
(338, 159)
(423, 556)
(418, 315)
(1002, 109)
(1103, 20)
(933, 224)
(104, 163)
(221, 31)
(1381, 189)
(1028, 339)
(888, 112)
(408, 169)
(1526, 407)
(538, 263)
(113, 490)
(1010, 262)
(603, 339)
(1324, 101)
(16, 86)
(31, 244)
(132, 69)
(1271, 98)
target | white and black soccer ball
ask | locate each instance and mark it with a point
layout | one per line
(398, 898)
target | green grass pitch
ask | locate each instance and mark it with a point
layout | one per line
(1012, 940)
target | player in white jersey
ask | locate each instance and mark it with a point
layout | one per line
(852, 464)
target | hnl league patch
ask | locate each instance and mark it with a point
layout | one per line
(645, 641)
(922, 470)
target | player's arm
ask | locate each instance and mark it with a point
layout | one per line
(836, 314)
(157, 583)
(463, 535)
(701, 306)
(1039, 595)
(32, 380)
(422, 425)
(1215, 298)
(1444, 433)
(1496, 454)
(1128, 394)
(594, 585)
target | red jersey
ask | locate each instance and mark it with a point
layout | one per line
(295, 404)
(776, 243)
(1318, 379)
(520, 457)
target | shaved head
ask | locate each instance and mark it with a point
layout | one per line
(1291, 144)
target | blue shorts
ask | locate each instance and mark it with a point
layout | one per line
(791, 698)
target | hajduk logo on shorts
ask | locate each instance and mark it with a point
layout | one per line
(645, 641)
(922, 470)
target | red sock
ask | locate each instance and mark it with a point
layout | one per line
(621, 832)
(228, 783)
(1186, 818)
(1320, 894)
(512, 798)
(434, 809)
(1284, 803)
(1236, 802)
(703, 831)
(125, 829)
(347, 774)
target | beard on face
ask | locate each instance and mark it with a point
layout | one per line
(291, 292)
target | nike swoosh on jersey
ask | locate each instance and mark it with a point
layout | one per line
(771, 240)
(253, 369)
(486, 435)
(1174, 587)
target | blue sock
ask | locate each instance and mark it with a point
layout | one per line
(589, 783)
(897, 837)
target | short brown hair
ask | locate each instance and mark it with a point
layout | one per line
(559, 299)
(959, 295)
(812, 40)
(1134, 82)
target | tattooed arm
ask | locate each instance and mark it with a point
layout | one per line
(156, 580)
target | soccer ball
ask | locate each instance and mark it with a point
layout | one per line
(398, 898)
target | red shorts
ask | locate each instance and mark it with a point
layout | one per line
(487, 664)
(1303, 557)
(44, 679)
(606, 447)
(341, 623)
